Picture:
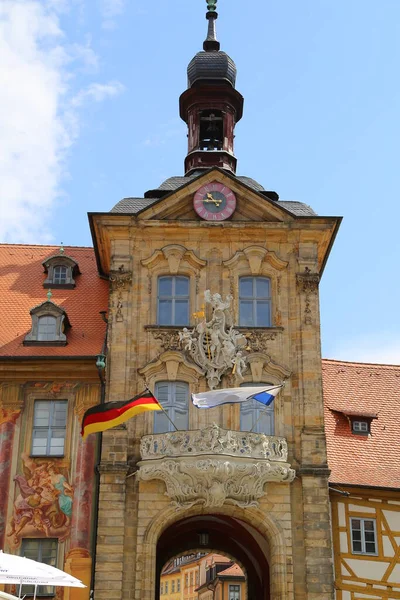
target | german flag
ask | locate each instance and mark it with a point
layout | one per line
(110, 414)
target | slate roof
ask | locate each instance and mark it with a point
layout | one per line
(135, 205)
(367, 389)
(21, 288)
(211, 65)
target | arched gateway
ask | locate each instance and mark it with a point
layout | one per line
(225, 534)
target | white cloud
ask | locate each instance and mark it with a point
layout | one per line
(37, 123)
(381, 348)
(109, 10)
(97, 92)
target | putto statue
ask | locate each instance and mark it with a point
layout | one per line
(213, 346)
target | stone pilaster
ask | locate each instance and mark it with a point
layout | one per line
(111, 515)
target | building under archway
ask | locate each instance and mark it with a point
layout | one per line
(225, 534)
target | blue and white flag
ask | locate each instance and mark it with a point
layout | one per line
(265, 395)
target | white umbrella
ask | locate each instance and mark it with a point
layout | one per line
(4, 596)
(21, 570)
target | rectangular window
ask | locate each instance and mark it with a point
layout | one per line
(191, 579)
(166, 587)
(173, 587)
(173, 301)
(49, 427)
(360, 427)
(44, 551)
(178, 585)
(186, 580)
(234, 592)
(256, 417)
(60, 275)
(161, 589)
(47, 329)
(197, 578)
(174, 398)
(254, 302)
(363, 536)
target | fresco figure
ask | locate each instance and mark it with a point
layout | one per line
(43, 504)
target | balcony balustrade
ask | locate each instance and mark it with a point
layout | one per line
(212, 466)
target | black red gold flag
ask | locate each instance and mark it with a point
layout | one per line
(110, 414)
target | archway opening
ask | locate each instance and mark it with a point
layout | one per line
(223, 535)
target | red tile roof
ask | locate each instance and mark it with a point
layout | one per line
(21, 288)
(233, 571)
(362, 389)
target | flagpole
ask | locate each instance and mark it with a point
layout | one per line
(163, 409)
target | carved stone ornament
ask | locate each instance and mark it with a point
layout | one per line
(169, 339)
(212, 346)
(308, 281)
(214, 466)
(258, 340)
(120, 278)
(214, 440)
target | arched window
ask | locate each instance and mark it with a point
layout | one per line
(256, 417)
(47, 329)
(173, 300)
(174, 397)
(254, 302)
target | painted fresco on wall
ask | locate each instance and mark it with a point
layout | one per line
(43, 506)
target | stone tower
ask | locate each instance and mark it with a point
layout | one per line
(214, 284)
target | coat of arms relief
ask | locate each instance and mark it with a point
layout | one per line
(215, 346)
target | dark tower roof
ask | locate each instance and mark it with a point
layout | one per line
(211, 64)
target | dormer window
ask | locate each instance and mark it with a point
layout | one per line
(360, 427)
(61, 271)
(49, 325)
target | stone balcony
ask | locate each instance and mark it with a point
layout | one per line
(213, 465)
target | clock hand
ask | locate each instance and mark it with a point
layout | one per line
(211, 199)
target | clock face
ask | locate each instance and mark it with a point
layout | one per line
(214, 202)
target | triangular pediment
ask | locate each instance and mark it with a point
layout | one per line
(250, 204)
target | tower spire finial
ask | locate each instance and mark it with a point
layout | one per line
(211, 43)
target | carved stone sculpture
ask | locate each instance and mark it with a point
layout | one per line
(214, 466)
(212, 346)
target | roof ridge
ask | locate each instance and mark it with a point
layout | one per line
(359, 364)
(6, 245)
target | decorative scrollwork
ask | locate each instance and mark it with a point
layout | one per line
(308, 281)
(258, 340)
(200, 475)
(120, 278)
(169, 339)
(214, 440)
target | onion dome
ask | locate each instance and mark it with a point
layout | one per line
(211, 64)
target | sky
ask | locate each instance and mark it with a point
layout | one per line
(89, 115)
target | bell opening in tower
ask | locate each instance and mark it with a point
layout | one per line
(211, 130)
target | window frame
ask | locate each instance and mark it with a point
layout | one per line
(255, 300)
(361, 431)
(234, 591)
(173, 298)
(256, 411)
(363, 541)
(39, 557)
(49, 429)
(170, 407)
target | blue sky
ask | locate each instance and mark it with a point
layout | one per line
(89, 114)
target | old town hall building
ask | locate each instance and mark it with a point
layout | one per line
(208, 281)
